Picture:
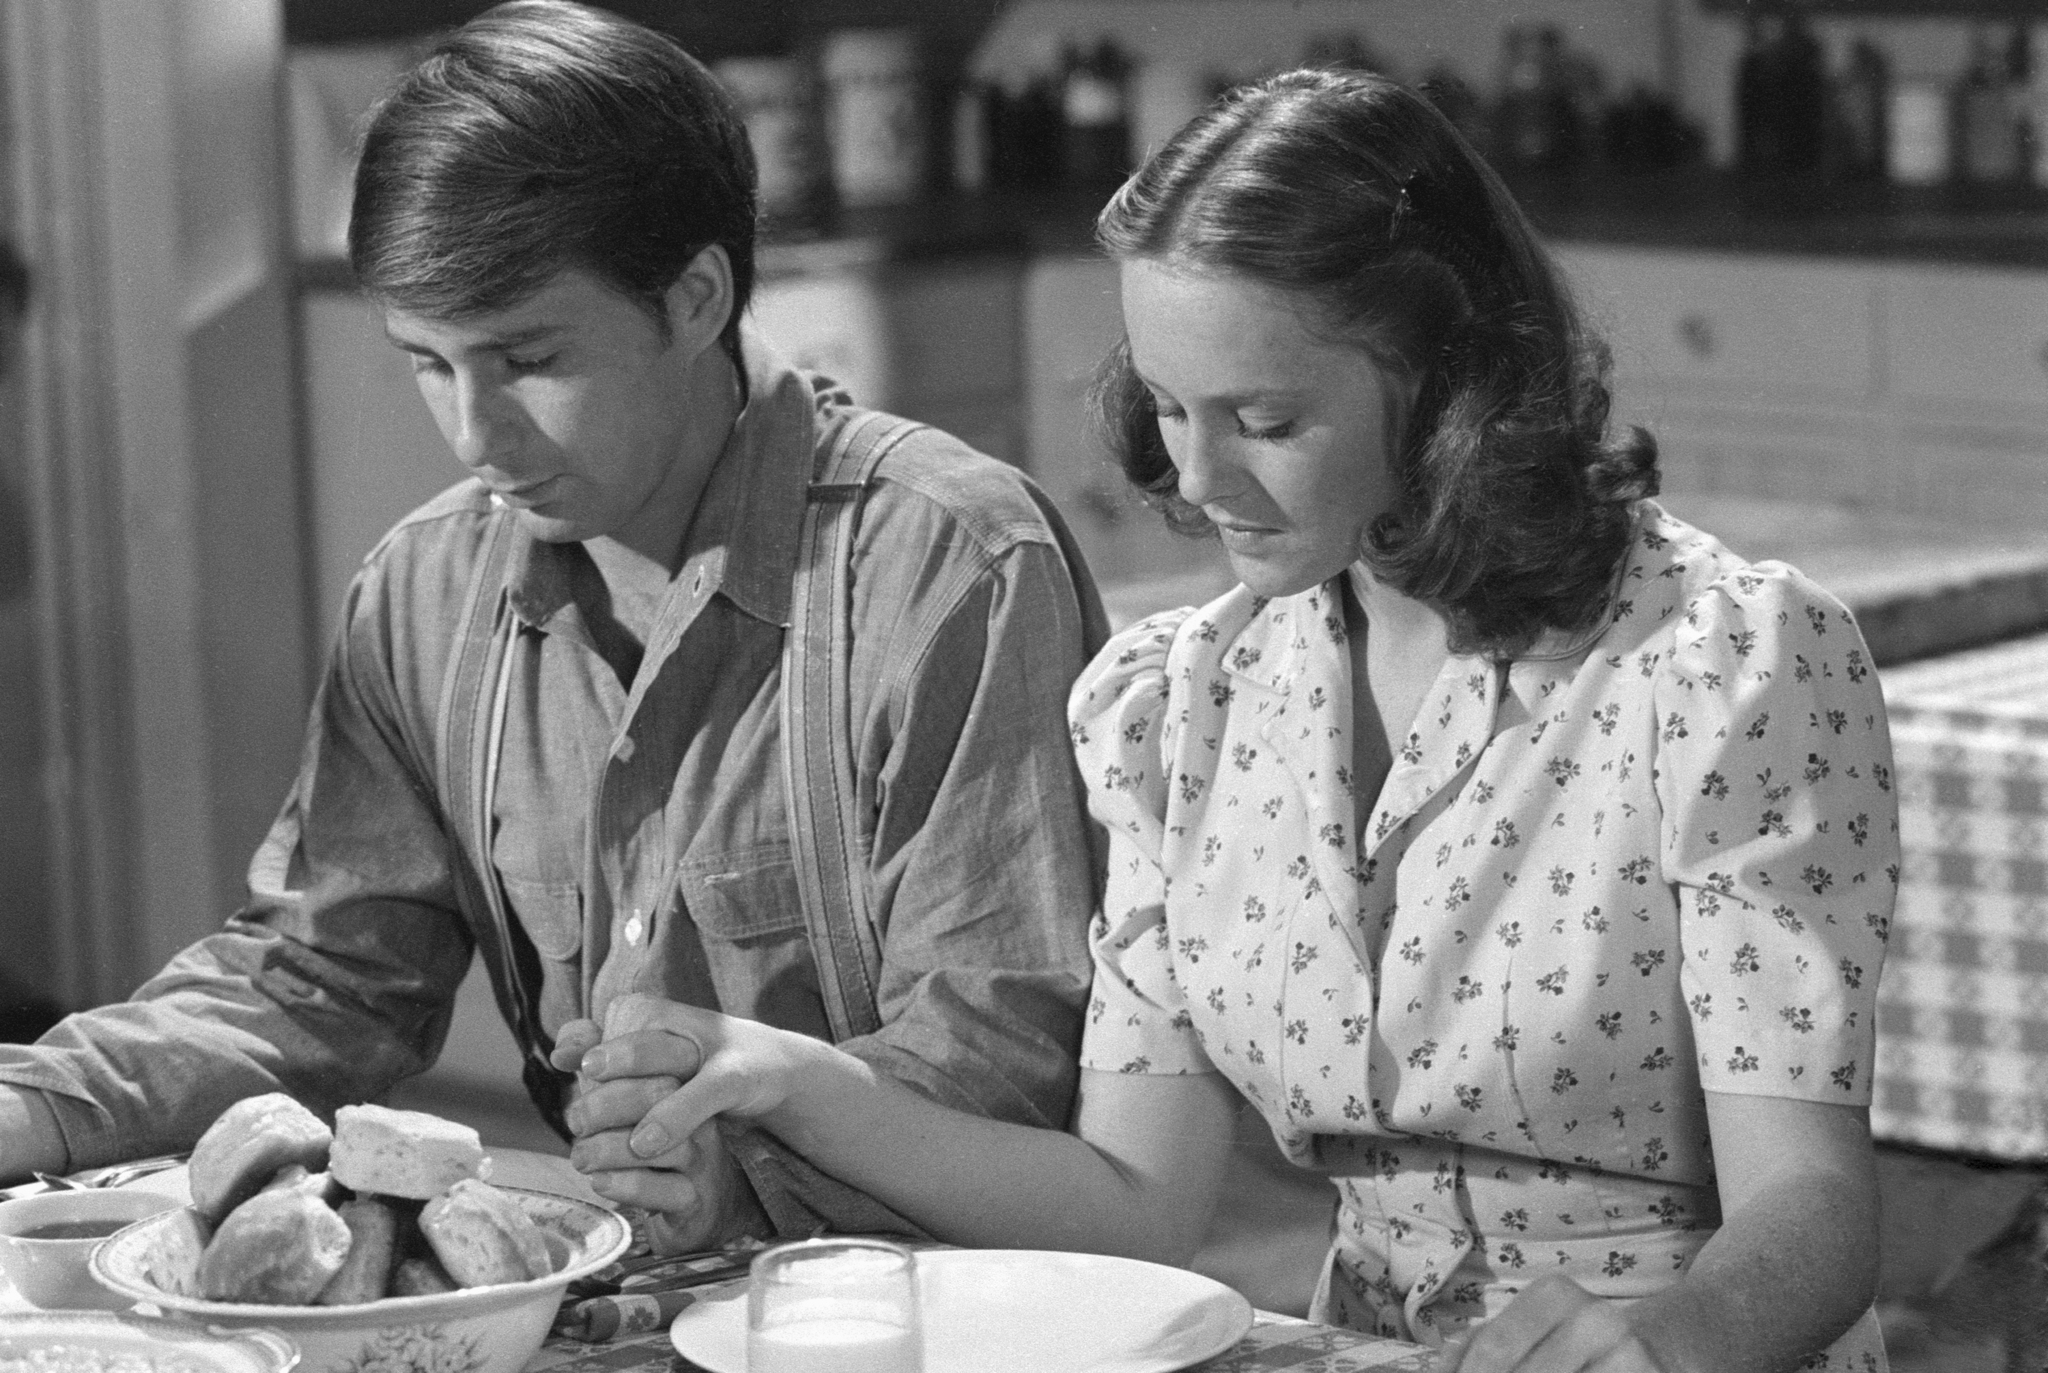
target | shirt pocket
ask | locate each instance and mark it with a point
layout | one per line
(745, 895)
(551, 913)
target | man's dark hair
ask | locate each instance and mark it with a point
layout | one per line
(543, 136)
(1354, 196)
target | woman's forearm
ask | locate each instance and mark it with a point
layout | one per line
(1786, 1275)
(1137, 1177)
(1142, 1192)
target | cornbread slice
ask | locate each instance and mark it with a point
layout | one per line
(403, 1153)
(482, 1236)
(244, 1149)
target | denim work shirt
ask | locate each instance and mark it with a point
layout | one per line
(641, 830)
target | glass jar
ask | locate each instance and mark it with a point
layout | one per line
(777, 101)
(874, 115)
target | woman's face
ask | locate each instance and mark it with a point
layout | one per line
(1279, 435)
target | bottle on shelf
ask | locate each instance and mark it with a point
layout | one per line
(778, 102)
(1859, 115)
(874, 115)
(1095, 108)
(1781, 97)
(1536, 121)
(1918, 149)
(1983, 118)
(2020, 77)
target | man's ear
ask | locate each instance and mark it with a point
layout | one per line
(700, 300)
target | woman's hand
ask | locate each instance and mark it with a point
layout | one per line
(1553, 1326)
(678, 1170)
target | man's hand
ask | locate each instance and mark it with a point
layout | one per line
(696, 1194)
(1553, 1326)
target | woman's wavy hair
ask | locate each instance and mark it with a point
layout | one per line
(1352, 193)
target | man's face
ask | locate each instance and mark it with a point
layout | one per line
(572, 408)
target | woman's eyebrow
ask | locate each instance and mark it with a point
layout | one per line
(1247, 396)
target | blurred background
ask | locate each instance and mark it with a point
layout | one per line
(1816, 234)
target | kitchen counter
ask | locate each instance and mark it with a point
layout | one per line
(1917, 587)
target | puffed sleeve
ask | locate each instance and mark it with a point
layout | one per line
(1119, 714)
(1780, 833)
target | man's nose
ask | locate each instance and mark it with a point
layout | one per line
(483, 425)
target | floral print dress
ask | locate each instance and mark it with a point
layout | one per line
(1597, 880)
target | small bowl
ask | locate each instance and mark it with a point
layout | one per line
(494, 1329)
(101, 1340)
(52, 1270)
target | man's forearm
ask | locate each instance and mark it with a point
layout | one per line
(30, 1141)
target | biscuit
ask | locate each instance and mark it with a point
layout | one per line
(244, 1149)
(280, 1247)
(482, 1236)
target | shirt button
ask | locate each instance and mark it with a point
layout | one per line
(635, 927)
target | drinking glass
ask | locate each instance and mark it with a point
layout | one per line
(834, 1306)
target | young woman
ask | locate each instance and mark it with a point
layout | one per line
(1523, 854)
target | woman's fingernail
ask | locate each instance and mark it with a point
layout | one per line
(593, 1063)
(649, 1139)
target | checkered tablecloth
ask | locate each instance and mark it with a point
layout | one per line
(1962, 1015)
(1276, 1344)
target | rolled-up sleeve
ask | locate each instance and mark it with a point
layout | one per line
(333, 982)
(984, 864)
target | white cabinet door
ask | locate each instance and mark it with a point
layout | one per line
(373, 451)
(1760, 376)
(1072, 318)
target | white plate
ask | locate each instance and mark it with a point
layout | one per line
(177, 1346)
(1024, 1311)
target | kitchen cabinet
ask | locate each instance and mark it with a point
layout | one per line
(1895, 385)
(932, 341)
(1072, 318)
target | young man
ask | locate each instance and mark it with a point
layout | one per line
(557, 720)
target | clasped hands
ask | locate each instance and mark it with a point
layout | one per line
(653, 1080)
(644, 1111)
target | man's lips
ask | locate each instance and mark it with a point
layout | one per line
(527, 495)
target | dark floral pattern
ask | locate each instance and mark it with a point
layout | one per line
(1597, 880)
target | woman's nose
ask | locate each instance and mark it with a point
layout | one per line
(1207, 471)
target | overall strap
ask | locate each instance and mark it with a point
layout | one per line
(817, 728)
(474, 701)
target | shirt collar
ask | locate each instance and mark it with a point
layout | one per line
(743, 537)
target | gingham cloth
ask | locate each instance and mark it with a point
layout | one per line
(1962, 1011)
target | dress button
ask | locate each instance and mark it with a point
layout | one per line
(635, 927)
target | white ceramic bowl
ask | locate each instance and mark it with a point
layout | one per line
(53, 1273)
(492, 1329)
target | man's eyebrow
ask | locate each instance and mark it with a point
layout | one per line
(494, 343)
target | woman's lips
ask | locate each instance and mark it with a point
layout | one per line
(1243, 537)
